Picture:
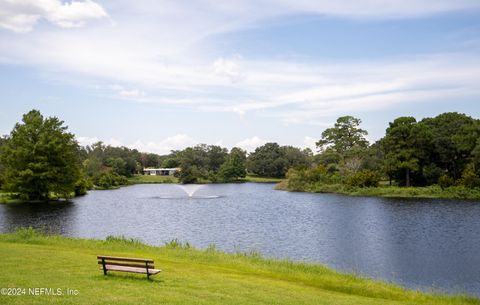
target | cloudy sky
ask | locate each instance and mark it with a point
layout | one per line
(160, 75)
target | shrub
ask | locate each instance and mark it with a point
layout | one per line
(445, 181)
(469, 177)
(295, 181)
(363, 178)
(106, 180)
(82, 186)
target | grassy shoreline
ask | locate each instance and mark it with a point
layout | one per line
(433, 191)
(429, 192)
(190, 276)
(146, 179)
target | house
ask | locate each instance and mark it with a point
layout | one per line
(160, 171)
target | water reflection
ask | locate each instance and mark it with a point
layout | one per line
(52, 217)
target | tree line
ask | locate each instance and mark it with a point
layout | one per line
(41, 159)
(443, 150)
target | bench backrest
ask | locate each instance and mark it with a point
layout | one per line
(125, 261)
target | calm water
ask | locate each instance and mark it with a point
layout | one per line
(426, 244)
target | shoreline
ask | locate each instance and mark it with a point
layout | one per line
(428, 192)
(199, 271)
(145, 179)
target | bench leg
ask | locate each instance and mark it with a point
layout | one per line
(148, 273)
(104, 268)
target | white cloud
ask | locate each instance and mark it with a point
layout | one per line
(23, 15)
(381, 9)
(250, 144)
(229, 68)
(76, 13)
(176, 142)
(164, 146)
(169, 50)
(84, 141)
(128, 93)
(309, 142)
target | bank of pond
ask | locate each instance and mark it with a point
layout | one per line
(189, 276)
(432, 191)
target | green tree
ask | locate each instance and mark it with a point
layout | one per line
(345, 135)
(296, 157)
(400, 147)
(118, 165)
(215, 157)
(272, 160)
(3, 141)
(267, 161)
(149, 160)
(189, 173)
(41, 158)
(234, 166)
(453, 138)
(170, 162)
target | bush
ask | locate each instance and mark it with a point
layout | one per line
(82, 186)
(296, 180)
(363, 178)
(445, 181)
(107, 180)
(469, 177)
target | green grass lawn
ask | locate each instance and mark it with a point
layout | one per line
(31, 260)
(261, 179)
(145, 179)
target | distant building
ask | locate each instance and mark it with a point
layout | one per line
(160, 171)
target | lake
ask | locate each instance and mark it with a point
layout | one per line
(417, 243)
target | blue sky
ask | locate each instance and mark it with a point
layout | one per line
(162, 75)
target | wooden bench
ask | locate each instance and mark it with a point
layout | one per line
(127, 264)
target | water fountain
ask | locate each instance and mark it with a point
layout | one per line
(187, 189)
(190, 189)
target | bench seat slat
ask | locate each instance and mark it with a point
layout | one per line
(126, 259)
(131, 269)
(139, 265)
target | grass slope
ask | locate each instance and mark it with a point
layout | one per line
(189, 276)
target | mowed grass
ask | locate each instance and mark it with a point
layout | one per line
(145, 179)
(190, 276)
(257, 179)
